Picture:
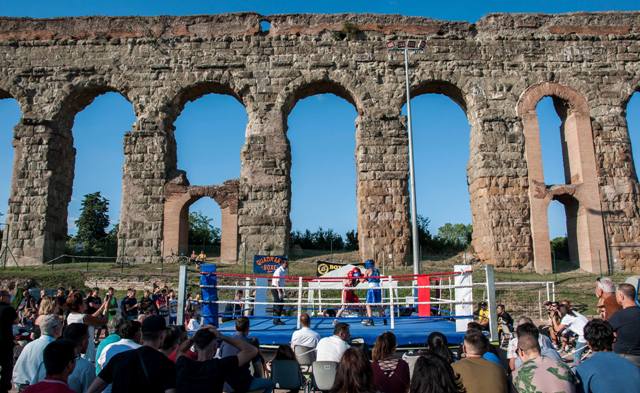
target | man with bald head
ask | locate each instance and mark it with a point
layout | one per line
(626, 325)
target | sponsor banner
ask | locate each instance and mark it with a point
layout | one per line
(266, 264)
(324, 267)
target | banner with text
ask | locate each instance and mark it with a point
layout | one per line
(267, 264)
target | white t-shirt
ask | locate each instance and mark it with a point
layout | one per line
(278, 277)
(76, 317)
(576, 324)
(331, 349)
(305, 337)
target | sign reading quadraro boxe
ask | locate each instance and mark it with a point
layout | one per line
(267, 264)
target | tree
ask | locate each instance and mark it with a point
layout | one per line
(202, 231)
(92, 224)
(456, 235)
(560, 247)
(352, 240)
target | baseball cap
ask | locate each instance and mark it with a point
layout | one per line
(153, 323)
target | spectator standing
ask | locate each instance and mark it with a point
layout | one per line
(59, 359)
(162, 304)
(30, 361)
(129, 305)
(207, 374)
(112, 329)
(547, 375)
(94, 301)
(305, 336)
(526, 326)
(140, 370)
(606, 294)
(78, 314)
(8, 317)
(233, 310)
(390, 374)
(172, 302)
(277, 291)
(626, 325)
(479, 375)
(433, 374)
(605, 371)
(112, 304)
(147, 303)
(332, 348)
(574, 322)
(243, 380)
(61, 299)
(354, 373)
(504, 318)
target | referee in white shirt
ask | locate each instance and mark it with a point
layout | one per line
(277, 290)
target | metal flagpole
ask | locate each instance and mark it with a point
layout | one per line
(414, 46)
(412, 178)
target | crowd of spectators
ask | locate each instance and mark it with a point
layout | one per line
(139, 349)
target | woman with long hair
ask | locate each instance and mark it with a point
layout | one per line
(354, 374)
(437, 343)
(433, 374)
(48, 306)
(390, 373)
(78, 314)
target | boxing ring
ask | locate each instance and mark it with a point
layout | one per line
(414, 305)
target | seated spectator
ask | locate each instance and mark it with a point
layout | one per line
(27, 367)
(482, 315)
(331, 348)
(207, 374)
(48, 306)
(129, 333)
(113, 326)
(606, 294)
(59, 359)
(574, 322)
(244, 380)
(438, 344)
(354, 373)
(305, 336)
(145, 369)
(432, 374)
(84, 373)
(176, 335)
(477, 374)
(390, 374)
(284, 352)
(525, 325)
(626, 325)
(605, 371)
(547, 375)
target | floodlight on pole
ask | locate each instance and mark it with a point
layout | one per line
(413, 46)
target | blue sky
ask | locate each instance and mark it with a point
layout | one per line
(321, 128)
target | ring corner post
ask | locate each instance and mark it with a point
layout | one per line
(491, 301)
(182, 291)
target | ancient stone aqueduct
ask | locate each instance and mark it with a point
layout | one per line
(496, 69)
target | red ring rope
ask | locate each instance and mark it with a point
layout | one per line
(399, 277)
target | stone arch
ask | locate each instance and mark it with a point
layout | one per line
(581, 177)
(174, 107)
(79, 96)
(303, 88)
(10, 231)
(178, 198)
(298, 90)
